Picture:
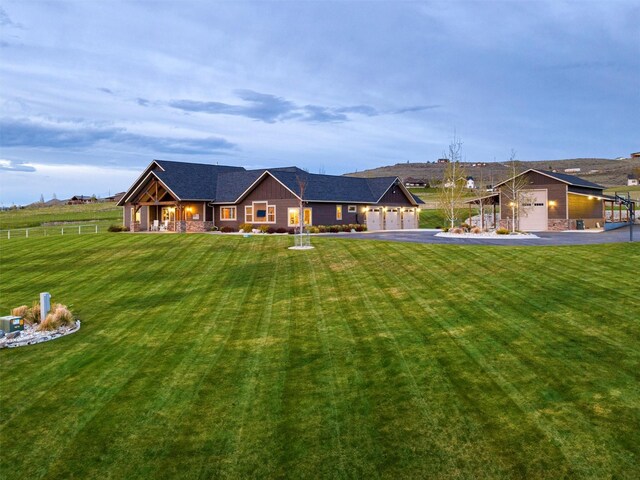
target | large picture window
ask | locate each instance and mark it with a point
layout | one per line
(227, 213)
(294, 217)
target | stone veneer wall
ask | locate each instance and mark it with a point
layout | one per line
(556, 225)
(135, 227)
(198, 226)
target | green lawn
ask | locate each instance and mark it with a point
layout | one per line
(210, 356)
(106, 212)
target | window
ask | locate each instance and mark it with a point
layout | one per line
(271, 214)
(227, 213)
(135, 217)
(293, 215)
(352, 209)
(338, 212)
(248, 214)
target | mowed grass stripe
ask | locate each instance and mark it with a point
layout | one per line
(357, 359)
(590, 445)
(108, 375)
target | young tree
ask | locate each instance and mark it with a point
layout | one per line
(302, 186)
(452, 189)
(514, 191)
(41, 198)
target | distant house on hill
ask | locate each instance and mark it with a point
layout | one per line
(471, 183)
(80, 199)
(414, 182)
(635, 155)
(114, 198)
(443, 160)
(632, 181)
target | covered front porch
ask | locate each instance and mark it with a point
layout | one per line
(155, 209)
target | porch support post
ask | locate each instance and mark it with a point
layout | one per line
(494, 215)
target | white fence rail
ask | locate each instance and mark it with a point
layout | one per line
(49, 231)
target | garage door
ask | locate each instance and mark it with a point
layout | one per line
(409, 219)
(374, 219)
(533, 211)
(392, 219)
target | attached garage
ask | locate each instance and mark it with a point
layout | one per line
(410, 218)
(375, 219)
(392, 219)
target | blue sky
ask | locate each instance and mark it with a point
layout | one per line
(92, 91)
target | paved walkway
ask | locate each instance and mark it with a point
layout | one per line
(546, 238)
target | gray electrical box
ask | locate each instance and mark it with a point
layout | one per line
(45, 304)
(11, 323)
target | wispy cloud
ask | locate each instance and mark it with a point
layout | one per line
(13, 166)
(26, 133)
(106, 90)
(271, 108)
(5, 20)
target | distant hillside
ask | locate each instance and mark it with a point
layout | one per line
(603, 171)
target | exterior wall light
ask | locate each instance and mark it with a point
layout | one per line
(552, 203)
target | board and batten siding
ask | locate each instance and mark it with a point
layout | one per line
(395, 197)
(556, 192)
(581, 207)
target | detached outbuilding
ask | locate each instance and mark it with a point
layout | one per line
(547, 201)
(551, 201)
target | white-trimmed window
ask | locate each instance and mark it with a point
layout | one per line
(271, 214)
(352, 209)
(227, 213)
(248, 214)
(338, 212)
(293, 217)
(135, 215)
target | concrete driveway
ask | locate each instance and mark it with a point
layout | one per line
(546, 238)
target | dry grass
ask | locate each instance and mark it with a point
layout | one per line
(29, 315)
(60, 316)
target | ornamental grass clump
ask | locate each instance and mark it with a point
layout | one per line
(59, 316)
(476, 230)
(503, 231)
(30, 316)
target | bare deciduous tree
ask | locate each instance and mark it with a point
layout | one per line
(452, 189)
(514, 191)
(302, 186)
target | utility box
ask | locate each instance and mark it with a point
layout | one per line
(579, 224)
(45, 304)
(11, 323)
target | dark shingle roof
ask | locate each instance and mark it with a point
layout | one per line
(570, 179)
(225, 184)
(192, 181)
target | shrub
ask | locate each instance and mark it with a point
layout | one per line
(117, 228)
(246, 227)
(457, 230)
(291, 231)
(31, 315)
(227, 229)
(334, 228)
(476, 230)
(322, 229)
(59, 316)
(271, 230)
(313, 230)
(503, 231)
(213, 229)
(445, 229)
(281, 230)
(263, 228)
(464, 225)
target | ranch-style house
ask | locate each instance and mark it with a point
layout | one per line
(194, 197)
